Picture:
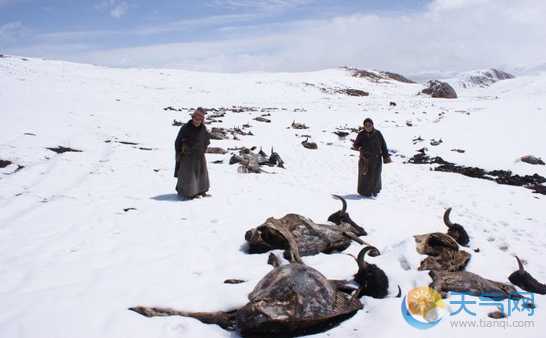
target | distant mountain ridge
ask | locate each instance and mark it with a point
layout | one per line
(374, 75)
(480, 78)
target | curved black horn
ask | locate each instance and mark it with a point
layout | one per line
(446, 218)
(344, 204)
(360, 259)
(521, 270)
(399, 292)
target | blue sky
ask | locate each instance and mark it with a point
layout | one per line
(409, 37)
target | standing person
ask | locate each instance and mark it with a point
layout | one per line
(191, 166)
(372, 147)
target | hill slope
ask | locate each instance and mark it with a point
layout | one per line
(86, 235)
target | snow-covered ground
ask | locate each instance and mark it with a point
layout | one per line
(72, 261)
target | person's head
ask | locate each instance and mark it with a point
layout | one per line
(368, 125)
(198, 116)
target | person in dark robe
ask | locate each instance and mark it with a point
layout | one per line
(373, 148)
(191, 166)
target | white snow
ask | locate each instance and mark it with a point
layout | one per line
(72, 261)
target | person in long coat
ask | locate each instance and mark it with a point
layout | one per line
(191, 166)
(373, 148)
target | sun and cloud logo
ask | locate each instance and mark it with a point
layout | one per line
(423, 308)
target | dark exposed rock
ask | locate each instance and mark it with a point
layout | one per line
(4, 163)
(352, 92)
(61, 149)
(533, 182)
(365, 74)
(396, 77)
(438, 89)
(378, 75)
(171, 108)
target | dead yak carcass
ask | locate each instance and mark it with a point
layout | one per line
(443, 252)
(292, 299)
(309, 145)
(372, 280)
(309, 237)
(342, 216)
(456, 230)
(464, 281)
(250, 162)
(525, 281)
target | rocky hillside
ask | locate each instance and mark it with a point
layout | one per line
(479, 78)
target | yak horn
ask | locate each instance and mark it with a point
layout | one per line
(354, 237)
(360, 259)
(399, 292)
(521, 270)
(344, 204)
(446, 218)
(294, 252)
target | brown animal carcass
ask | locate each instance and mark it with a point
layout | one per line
(525, 281)
(309, 145)
(309, 237)
(464, 281)
(342, 216)
(292, 299)
(372, 280)
(456, 230)
(443, 252)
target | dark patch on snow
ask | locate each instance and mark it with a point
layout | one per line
(61, 150)
(4, 163)
(505, 177)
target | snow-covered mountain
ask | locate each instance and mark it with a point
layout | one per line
(479, 78)
(88, 233)
(523, 71)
